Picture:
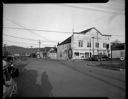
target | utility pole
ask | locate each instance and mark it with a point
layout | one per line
(111, 50)
(31, 50)
(39, 47)
(93, 45)
(90, 47)
(72, 30)
(97, 43)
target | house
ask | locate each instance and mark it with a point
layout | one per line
(39, 54)
(84, 44)
(52, 53)
(45, 51)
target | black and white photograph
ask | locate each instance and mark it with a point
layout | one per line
(64, 49)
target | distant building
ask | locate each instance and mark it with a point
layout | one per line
(52, 53)
(16, 55)
(45, 51)
(118, 51)
(39, 54)
(84, 44)
(117, 54)
(27, 54)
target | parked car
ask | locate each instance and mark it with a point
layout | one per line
(104, 58)
(94, 58)
(99, 58)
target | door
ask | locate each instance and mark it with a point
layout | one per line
(86, 55)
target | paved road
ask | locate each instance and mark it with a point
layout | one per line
(50, 78)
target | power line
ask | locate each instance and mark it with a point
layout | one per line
(118, 35)
(20, 37)
(94, 9)
(20, 42)
(27, 38)
(50, 31)
(110, 7)
(24, 42)
(36, 30)
(28, 30)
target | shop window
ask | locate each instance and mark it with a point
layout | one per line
(76, 53)
(86, 55)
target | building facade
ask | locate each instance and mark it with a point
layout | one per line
(84, 44)
(52, 53)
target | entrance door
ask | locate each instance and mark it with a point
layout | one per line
(86, 55)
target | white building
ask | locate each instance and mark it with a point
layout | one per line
(52, 53)
(84, 44)
(39, 54)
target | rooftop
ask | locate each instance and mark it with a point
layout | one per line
(68, 40)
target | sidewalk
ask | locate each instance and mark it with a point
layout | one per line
(112, 65)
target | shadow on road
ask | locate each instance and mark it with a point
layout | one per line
(46, 86)
(27, 86)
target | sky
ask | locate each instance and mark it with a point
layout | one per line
(108, 18)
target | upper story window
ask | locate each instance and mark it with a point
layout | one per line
(80, 43)
(88, 44)
(97, 45)
(104, 45)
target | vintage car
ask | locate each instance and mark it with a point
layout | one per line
(9, 85)
(99, 58)
(94, 58)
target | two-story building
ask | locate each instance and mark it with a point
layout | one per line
(82, 45)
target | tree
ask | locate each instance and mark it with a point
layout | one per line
(117, 45)
(116, 42)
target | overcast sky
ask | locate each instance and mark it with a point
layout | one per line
(108, 18)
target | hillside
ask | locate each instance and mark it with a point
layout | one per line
(19, 50)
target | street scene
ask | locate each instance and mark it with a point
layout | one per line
(51, 78)
(62, 50)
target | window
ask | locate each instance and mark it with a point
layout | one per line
(107, 46)
(104, 45)
(80, 43)
(76, 53)
(97, 45)
(81, 53)
(88, 44)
